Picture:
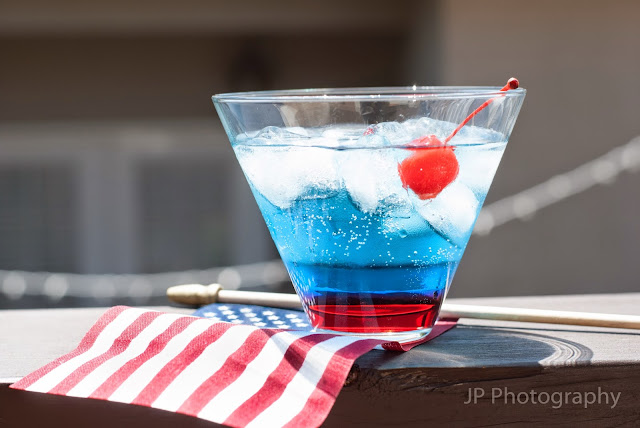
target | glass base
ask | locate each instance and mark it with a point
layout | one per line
(403, 337)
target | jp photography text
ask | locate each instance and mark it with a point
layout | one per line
(556, 399)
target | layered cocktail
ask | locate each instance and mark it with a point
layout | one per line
(371, 195)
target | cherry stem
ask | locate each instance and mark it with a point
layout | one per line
(511, 84)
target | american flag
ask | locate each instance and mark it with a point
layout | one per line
(219, 369)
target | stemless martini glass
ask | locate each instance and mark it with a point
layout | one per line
(371, 194)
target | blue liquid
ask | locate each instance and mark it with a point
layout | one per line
(364, 254)
(391, 271)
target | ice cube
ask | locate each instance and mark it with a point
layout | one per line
(275, 135)
(424, 126)
(398, 134)
(344, 136)
(476, 134)
(452, 213)
(404, 225)
(372, 180)
(478, 165)
(387, 133)
(286, 174)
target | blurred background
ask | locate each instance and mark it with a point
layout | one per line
(116, 178)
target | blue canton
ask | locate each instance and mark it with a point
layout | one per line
(258, 316)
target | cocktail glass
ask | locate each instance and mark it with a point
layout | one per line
(371, 194)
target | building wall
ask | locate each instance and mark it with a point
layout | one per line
(117, 95)
(579, 61)
(115, 91)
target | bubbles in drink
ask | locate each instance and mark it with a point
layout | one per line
(363, 251)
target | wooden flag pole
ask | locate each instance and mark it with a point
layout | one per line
(197, 294)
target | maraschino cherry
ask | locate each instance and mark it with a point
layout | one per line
(433, 165)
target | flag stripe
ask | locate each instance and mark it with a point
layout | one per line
(166, 375)
(252, 379)
(136, 347)
(276, 383)
(87, 341)
(117, 347)
(103, 341)
(442, 326)
(208, 362)
(302, 385)
(225, 372)
(321, 400)
(228, 373)
(131, 387)
(155, 346)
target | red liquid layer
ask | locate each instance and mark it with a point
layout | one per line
(376, 318)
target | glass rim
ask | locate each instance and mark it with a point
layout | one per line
(354, 94)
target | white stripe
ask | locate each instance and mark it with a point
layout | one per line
(303, 384)
(102, 344)
(136, 347)
(252, 379)
(134, 384)
(199, 370)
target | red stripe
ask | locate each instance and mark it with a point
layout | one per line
(172, 369)
(442, 326)
(119, 345)
(87, 342)
(232, 368)
(277, 381)
(321, 400)
(155, 347)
